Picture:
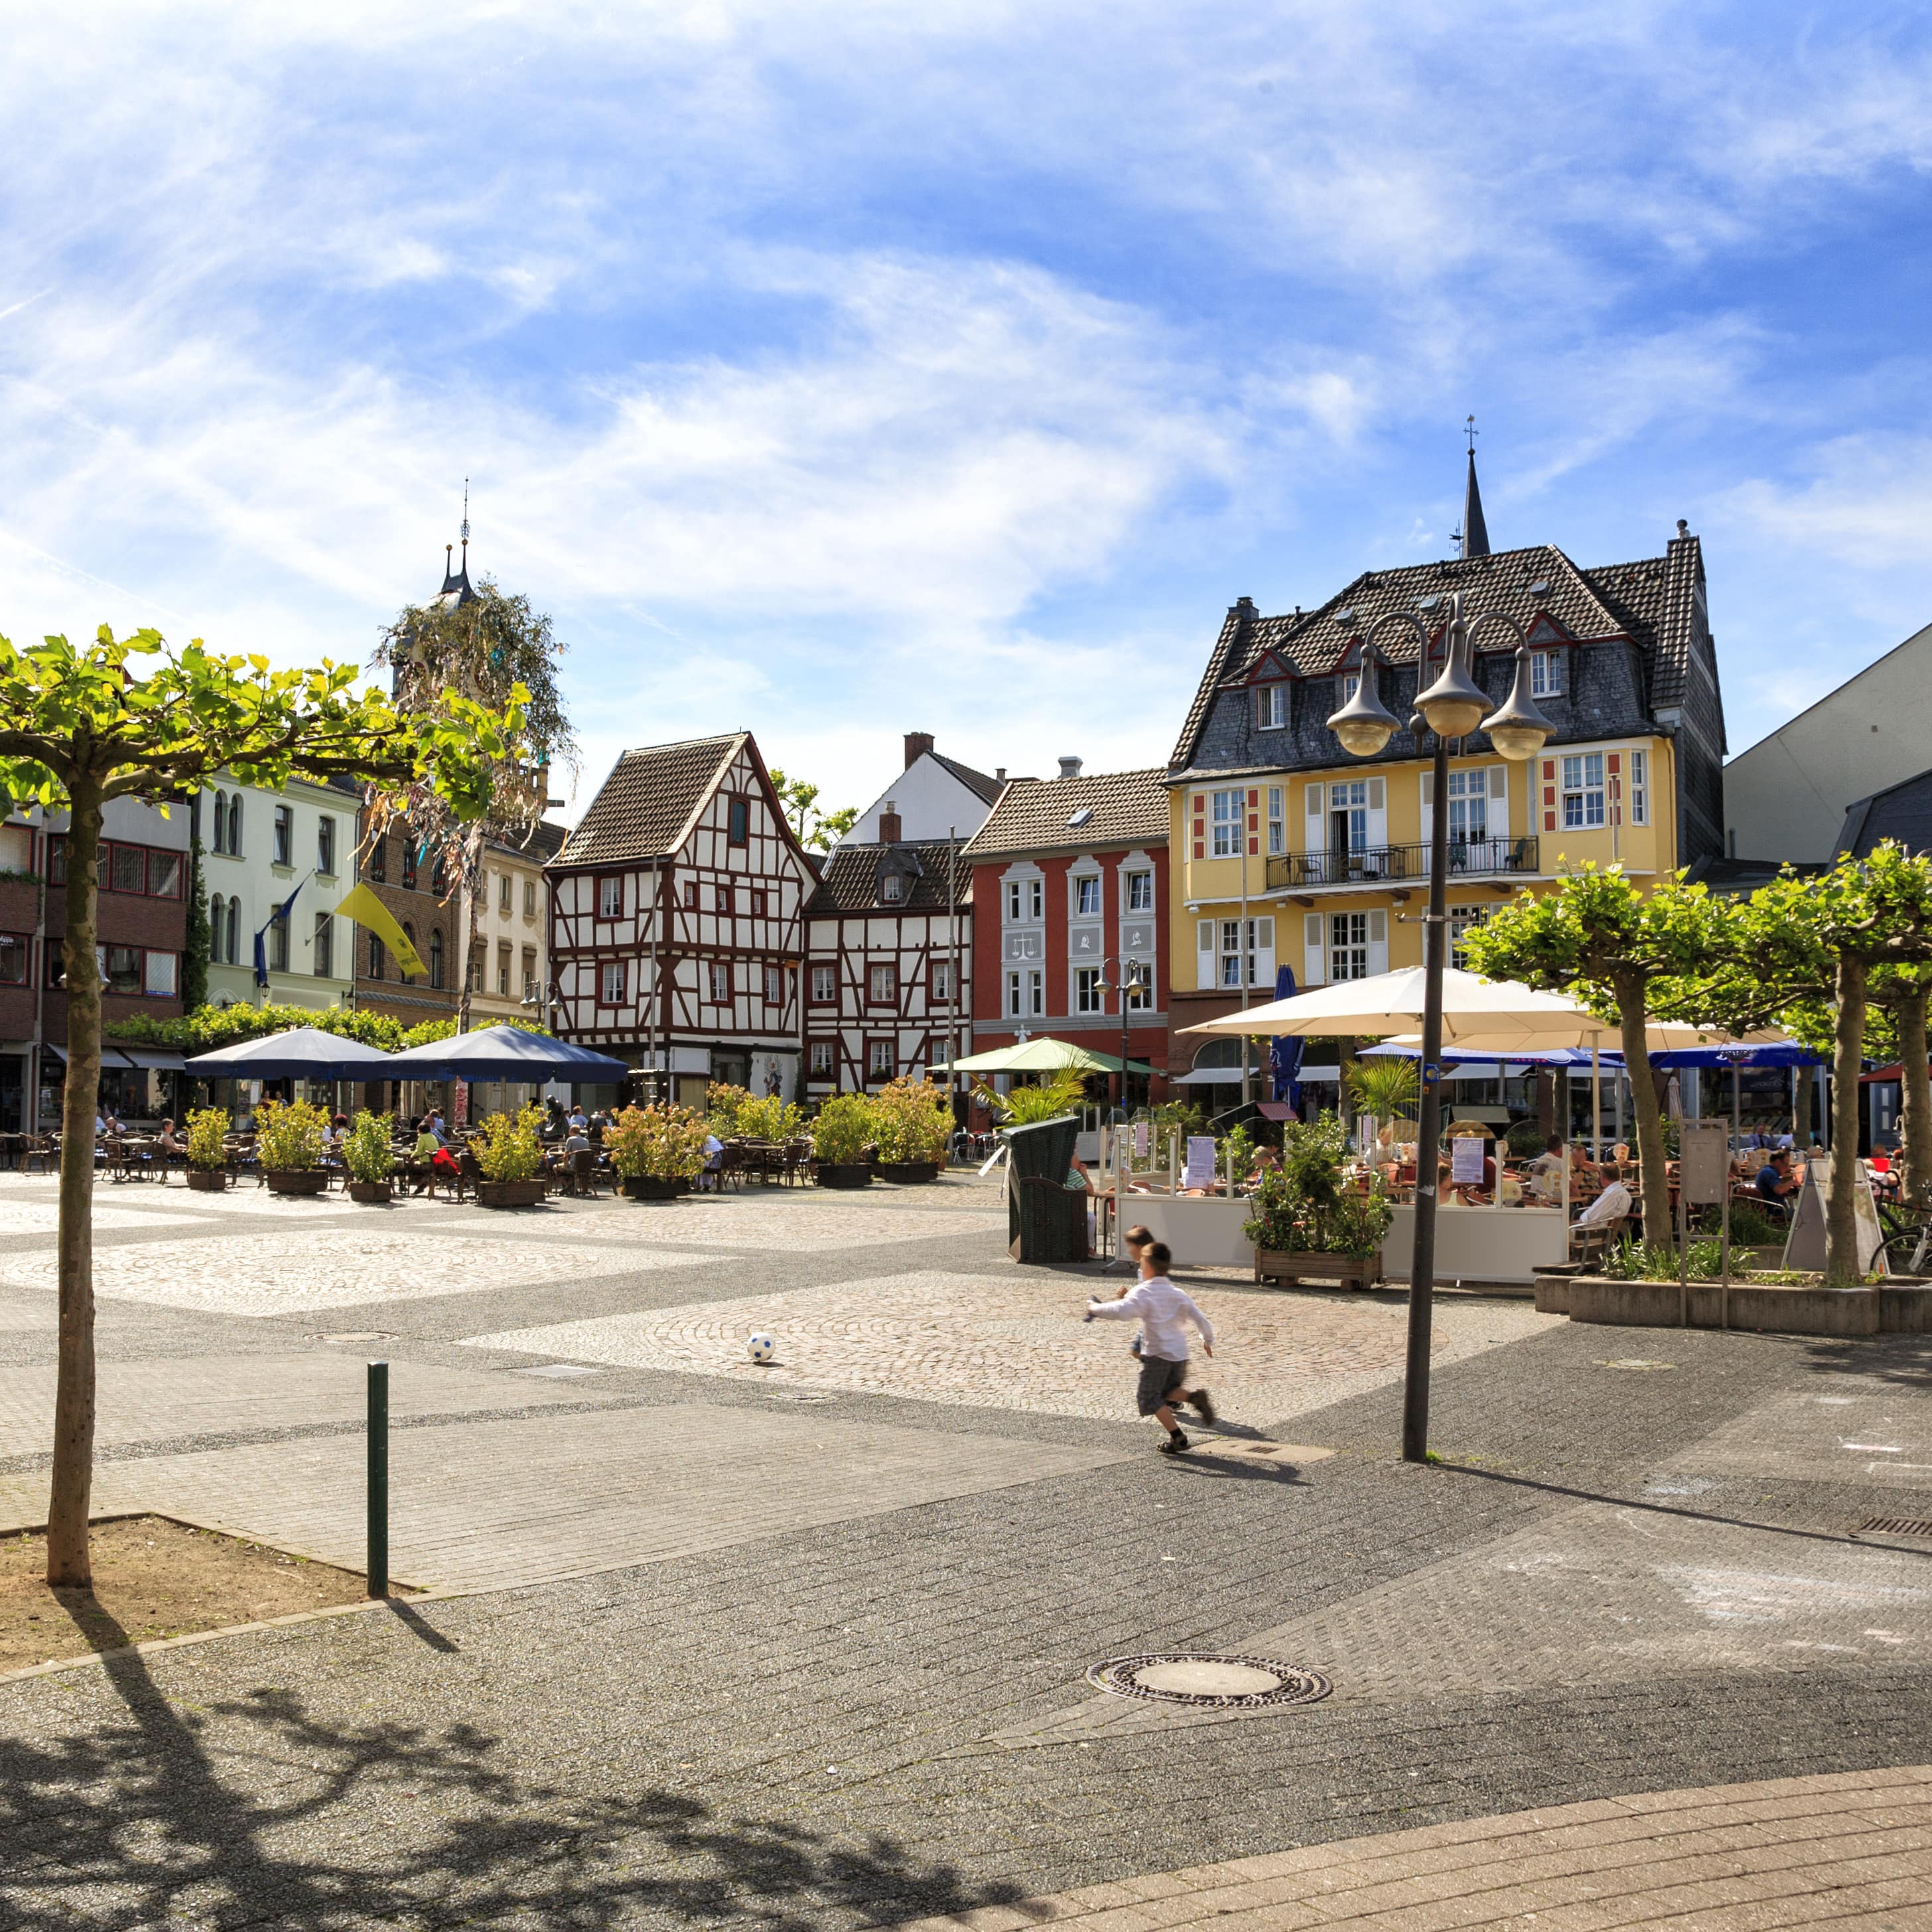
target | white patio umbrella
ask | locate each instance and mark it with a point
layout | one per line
(1498, 1015)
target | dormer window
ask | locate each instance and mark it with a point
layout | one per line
(1545, 673)
(892, 887)
(1351, 681)
(1270, 707)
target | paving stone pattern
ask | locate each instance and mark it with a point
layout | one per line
(785, 1688)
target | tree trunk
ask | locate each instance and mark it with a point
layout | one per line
(1801, 1108)
(1344, 1096)
(1915, 1124)
(1841, 1220)
(67, 1558)
(1631, 992)
(471, 876)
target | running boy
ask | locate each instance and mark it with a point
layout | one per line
(1164, 1311)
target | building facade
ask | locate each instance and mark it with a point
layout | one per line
(1788, 795)
(1289, 852)
(413, 887)
(142, 926)
(258, 849)
(677, 921)
(888, 977)
(934, 798)
(1070, 886)
(509, 960)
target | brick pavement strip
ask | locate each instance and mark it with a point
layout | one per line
(1798, 1851)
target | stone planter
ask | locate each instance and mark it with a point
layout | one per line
(909, 1173)
(1345, 1271)
(510, 1193)
(298, 1181)
(656, 1187)
(208, 1180)
(843, 1174)
(1760, 1305)
(369, 1193)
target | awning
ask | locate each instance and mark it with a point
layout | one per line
(156, 1059)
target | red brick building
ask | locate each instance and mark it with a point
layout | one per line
(1069, 884)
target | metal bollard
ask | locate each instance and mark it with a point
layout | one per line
(379, 1479)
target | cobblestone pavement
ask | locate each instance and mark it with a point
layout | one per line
(824, 1665)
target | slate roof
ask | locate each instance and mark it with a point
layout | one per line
(642, 808)
(1903, 812)
(976, 782)
(1128, 808)
(850, 881)
(545, 842)
(1652, 601)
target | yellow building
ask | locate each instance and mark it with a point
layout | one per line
(1287, 852)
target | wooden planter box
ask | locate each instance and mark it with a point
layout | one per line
(836, 1174)
(208, 1180)
(1346, 1271)
(510, 1193)
(656, 1187)
(298, 1180)
(371, 1191)
(909, 1173)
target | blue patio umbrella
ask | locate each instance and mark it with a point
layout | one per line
(1285, 1050)
(504, 1053)
(301, 1053)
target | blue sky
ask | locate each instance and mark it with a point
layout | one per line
(842, 370)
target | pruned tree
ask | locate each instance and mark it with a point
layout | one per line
(1598, 937)
(818, 831)
(482, 643)
(81, 726)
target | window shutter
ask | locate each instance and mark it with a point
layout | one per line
(1378, 815)
(1378, 942)
(1317, 840)
(1314, 954)
(1428, 806)
(1204, 965)
(1499, 821)
(1264, 968)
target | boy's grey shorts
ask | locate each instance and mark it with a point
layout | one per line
(1159, 1378)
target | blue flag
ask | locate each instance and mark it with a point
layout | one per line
(281, 912)
(1285, 1050)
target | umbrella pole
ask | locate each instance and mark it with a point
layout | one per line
(1428, 1153)
(1596, 1105)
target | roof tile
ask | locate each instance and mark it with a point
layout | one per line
(1034, 814)
(647, 802)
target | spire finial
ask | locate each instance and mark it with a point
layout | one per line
(1469, 429)
(466, 507)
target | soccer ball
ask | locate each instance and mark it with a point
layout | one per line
(761, 1347)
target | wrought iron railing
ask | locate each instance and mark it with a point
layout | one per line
(1468, 858)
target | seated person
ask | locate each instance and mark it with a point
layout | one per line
(170, 1142)
(563, 1158)
(1614, 1204)
(1775, 1180)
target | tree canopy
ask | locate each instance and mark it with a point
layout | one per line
(818, 831)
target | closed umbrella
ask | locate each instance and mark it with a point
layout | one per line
(505, 1053)
(301, 1053)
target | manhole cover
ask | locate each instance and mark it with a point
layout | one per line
(1633, 1362)
(1893, 1525)
(1209, 1683)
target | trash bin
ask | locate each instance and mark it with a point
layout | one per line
(1045, 1222)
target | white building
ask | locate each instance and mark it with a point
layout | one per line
(509, 961)
(257, 848)
(933, 798)
(1786, 797)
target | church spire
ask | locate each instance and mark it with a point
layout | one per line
(456, 591)
(1475, 533)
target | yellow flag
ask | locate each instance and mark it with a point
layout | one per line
(366, 909)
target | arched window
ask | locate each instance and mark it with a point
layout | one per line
(436, 956)
(235, 824)
(410, 934)
(221, 821)
(218, 924)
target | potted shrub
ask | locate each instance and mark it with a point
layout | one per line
(765, 1118)
(288, 1143)
(368, 1155)
(841, 1135)
(723, 1105)
(207, 1150)
(1309, 1221)
(657, 1152)
(915, 1130)
(509, 1150)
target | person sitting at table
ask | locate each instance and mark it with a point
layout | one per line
(578, 1123)
(169, 1143)
(428, 1153)
(1775, 1180)
(1613, 1204)
(562, 1159)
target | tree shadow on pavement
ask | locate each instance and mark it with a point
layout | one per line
(309, 1825)
(1901, 1359)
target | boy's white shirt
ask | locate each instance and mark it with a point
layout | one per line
(1163, 1311)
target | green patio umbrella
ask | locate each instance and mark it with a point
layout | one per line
(1041, 1056)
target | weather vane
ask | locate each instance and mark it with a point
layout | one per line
(466, 506)
(1469, 429)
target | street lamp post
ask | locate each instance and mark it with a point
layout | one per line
(1452, 707)
(1133, 979)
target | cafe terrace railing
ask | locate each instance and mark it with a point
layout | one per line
(1470, 858)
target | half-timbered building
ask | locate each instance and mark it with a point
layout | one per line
(888, 962)
(677, 921)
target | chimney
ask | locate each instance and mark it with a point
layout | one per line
(917, 744)
(891, 831)
(999, 772)
(1069, 768)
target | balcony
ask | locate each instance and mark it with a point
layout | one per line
(1398, 865)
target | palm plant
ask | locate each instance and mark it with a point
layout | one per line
(1386, 1086)
(1061, 1094)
